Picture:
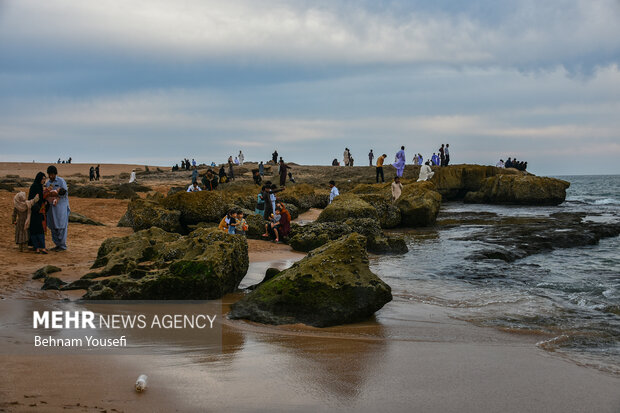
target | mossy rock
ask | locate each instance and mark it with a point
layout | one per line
(196, 207)
(347, 206)
(313, 235)
(43, 272)
(389, 214)
(82, 219)
(144, 214)
(305, 196)
(89, 191)
(333, 285)
(157, 265)
(419, 204)
(520, 190)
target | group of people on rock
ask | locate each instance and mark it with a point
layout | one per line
(234, 222)
(45, 206)
(93, 173)
(277, 217)
(512, 163)
(209, 180)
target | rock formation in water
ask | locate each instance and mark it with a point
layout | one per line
(332, 285)
(519, 190)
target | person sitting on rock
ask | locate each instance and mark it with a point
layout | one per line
(272, 227)
(425, 172)
(224, 223)
(193, 187)
(285, 220)
(222, 175)
(210, 181)
(256, 176)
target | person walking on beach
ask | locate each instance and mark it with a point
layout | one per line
(283, 172)
(37, 214)
(333, 193)
(22, 208)
(58, 219)
(371, 156)
(397, 189)
(379, 169)
(399, 162)
(97, 174)
(447, 154)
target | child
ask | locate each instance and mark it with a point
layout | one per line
(242, 225)
(50, 195)
(21, 218)
(273, 225)
(232, 222)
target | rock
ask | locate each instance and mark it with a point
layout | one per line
(389, 214)
(454, 181)
(126, 191)
(347, 206)
(7, 187)
(157, 265)
(313, 235)
(89, 191)
(520, 190)
(82, 219)
(175, 189)
(292, 209)
(256, 224)
(419, 204)
(514, 238)
(81, 284)
(143, 214)
(45, 271)
(52, 283)
(155, 196)
(332, 285)
(196, 207)
(304, 197)
(269, 274)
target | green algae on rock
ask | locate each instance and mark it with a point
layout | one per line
(347, 206)
(157, 265)
(520, 190)
(144, 214)
(419, 204)
(332, 285)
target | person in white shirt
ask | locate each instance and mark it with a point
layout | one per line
(447, 153)
(132, 177)
(425, 172)
(241, 158)
(194, 187)
(334, 191)
(500, 164)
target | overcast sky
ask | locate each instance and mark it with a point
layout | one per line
(153, 81)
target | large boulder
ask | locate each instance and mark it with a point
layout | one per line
(157, 265)
(520, 190)
(455, 181)
(313, 235)
(89, 191)
(419, 204)
(332, 285)
(389, 214)
(305, 196)
(144, 214)
(347, 206)
(196, 207)
(83, 219)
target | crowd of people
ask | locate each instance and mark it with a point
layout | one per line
(59, 161)
(512, 163)
(45, 207)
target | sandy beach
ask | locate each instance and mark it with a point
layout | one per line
(425, 360)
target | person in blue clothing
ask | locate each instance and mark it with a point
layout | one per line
(58, 214)
(333, 193)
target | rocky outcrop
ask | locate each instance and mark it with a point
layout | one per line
(419, 204)
(332, 285)
(513, 238)
(313, 235)
(144, 214)
(455, 181)
(196, 207)
(389, 214)
(305, 196)
(347, 206)
(157, 265)
(520, 190)
(82, 219)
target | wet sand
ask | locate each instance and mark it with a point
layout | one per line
(410, 357)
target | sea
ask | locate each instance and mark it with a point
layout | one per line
(569, 298)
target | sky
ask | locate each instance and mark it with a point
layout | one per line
(154, 81)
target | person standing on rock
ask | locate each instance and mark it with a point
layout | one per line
(399, 162)
(58, 219)
(195, 175)
(274, 156)
(415, 159)
(397, 189)
(193, 162)
(371, 156)
(97, 174)
(346, 157)
(241, 158)
(442, 155)
(447, 153)
(283, 172)
(231, 173)
(261, 169)
(91, 174)
(379, 170)
(333, 193)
